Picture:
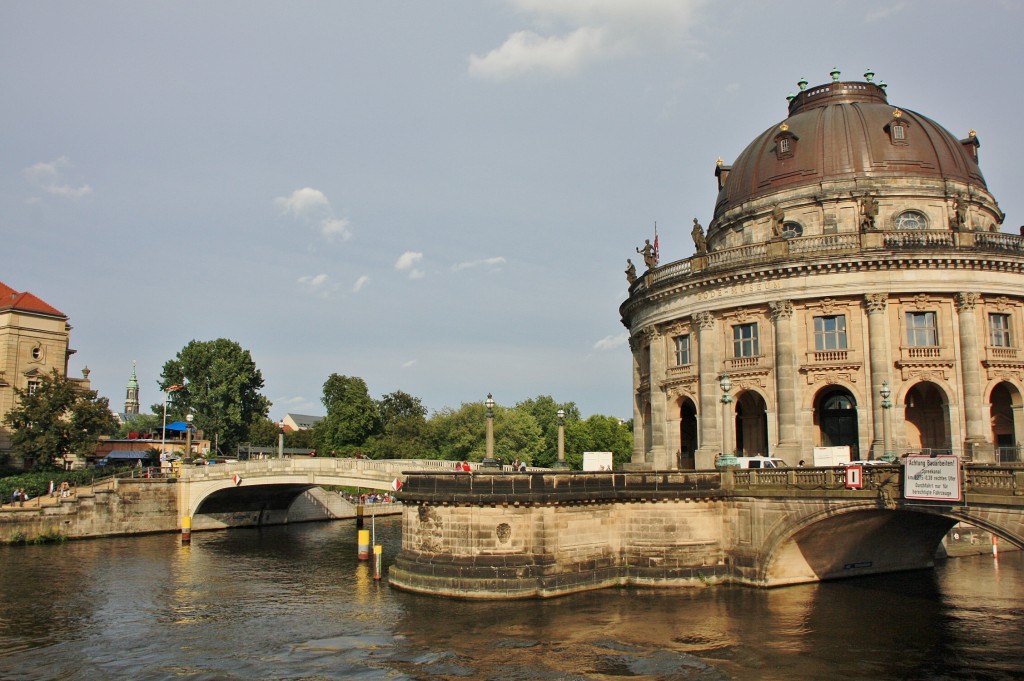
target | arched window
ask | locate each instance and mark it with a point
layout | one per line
(911, 219)
(898, 128)
(837, 402)
(794, 227)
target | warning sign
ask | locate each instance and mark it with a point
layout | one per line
(854, 477)
(937, 478)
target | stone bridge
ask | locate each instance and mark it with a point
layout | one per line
(547, 534)
(233, 492)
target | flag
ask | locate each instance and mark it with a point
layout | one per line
(396, 484)
(656, 254)
(174, 387)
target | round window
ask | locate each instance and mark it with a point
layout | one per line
(794, 227)
(37, 352)
(911, 219)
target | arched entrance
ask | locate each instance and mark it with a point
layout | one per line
(927, 418)
(687, 434)
(835, 412)
(751, 424)
(1004, 402)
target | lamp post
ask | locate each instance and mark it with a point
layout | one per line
(188, 435)
(885, 392)
(561, 440)
(727, 429)
(489, 460)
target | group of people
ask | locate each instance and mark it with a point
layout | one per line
(519, 466)
(19, 496)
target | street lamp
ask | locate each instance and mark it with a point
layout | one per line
(726, 385)
(163, 432)
(188, 435)
(561, 440)
(489, 460)
(885, 392)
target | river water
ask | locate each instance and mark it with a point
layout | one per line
(294, 603)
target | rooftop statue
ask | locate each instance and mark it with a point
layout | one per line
(698, 238)
(648, 253)
(630, 271)
(868, 213)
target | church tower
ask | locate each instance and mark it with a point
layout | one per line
(131, 398)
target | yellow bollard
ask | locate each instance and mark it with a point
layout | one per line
(186, 530)
(364, 544)
(359, 516)
(378, 560)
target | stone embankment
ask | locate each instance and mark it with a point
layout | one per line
(127, 506)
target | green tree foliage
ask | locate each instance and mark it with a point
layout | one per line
(598, 434)
(300, 439)
(544, 410)
(403, 429)
(58, 420)
(263, 433)
(352, 416)
(461, 435)
(221, 390)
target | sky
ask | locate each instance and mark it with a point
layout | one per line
(437, 197)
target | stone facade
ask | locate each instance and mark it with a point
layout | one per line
(34, 339)
(855, 291)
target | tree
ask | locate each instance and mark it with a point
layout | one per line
(598, 434)
(352, 416)
(221, 389)
(544, 410)
(263, 433)
(462, 435)
(57, 420)
(139, 423)
(403, 428)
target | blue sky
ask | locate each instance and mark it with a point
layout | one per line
(437, 197)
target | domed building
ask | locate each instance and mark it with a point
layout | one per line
(853, 289)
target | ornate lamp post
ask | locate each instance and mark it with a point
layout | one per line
(561, 440)
(188, 435)
(728, 458)
(885, 392)
(489, 460)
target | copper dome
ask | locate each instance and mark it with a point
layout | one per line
(846, 131)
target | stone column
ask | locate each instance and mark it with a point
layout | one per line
(638, 413)
(970, 370)
(707, 419)
(878, 352)
(785, 380)
(659, 407)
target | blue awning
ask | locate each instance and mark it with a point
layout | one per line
(179, 426)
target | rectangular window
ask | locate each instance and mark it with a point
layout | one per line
(830, 332)
(744, 340)
(784, 145)
(897, 132)
(921, 330)
(999, 330)
(682, 350)
(32, 387)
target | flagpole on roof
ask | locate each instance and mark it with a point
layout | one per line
(657, 254)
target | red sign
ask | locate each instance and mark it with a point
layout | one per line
(396, 484)
(855, 477)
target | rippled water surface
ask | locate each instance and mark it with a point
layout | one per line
(295, 603)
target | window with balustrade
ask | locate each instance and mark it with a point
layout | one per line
(922, 331)
(999, 330)
(830, 332)
(682, 350)
(744, 340)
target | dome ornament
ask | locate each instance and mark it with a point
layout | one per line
(897, 113)
(784, 127)
(882, 84)
(802, 84)
(869, 75)
(972, 133)
(790, 97)
(835, 74)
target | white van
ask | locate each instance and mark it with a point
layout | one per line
(760, 462)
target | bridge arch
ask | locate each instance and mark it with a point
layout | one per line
(828, 542)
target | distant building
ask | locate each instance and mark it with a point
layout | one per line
(131, 398)
(34, 339)
(292, 422)
(853, 289)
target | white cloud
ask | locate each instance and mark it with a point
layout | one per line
(493, 263)
(48, 176)
(318, 284)
(407, 263)
(312, 207)
(612, 342)
(406, 365)
(360, 283)
(571, 35)
(884, 13)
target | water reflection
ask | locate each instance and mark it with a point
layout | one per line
(296, 603)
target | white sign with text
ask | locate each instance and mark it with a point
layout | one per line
(932, 477)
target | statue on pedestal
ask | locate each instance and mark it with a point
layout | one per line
(630, 271)
(868, 212)
(699, 241)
